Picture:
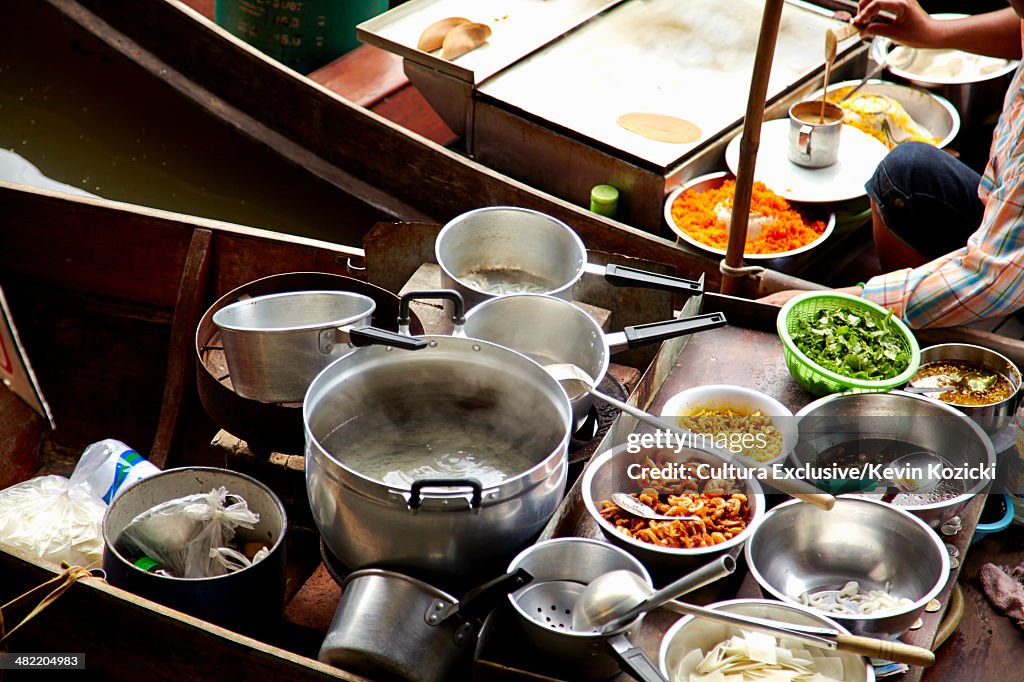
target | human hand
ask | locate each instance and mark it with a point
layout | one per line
(780, 298)
(913, 26)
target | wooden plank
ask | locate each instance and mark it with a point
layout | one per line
(176, 645)
(180, 382)
(364, 76)
(409, 109)
(20, 431)
(986, 644)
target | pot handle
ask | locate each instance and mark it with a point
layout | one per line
(371, 336)
(641, 334)
(416, 495)
(458, 304)
(633, 660)
(478, 602)
(625, 276)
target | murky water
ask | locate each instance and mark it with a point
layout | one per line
(88, 117)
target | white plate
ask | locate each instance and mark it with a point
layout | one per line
(859, 155)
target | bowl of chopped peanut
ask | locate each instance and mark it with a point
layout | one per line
(673, 480)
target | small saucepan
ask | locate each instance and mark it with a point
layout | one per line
(276, 344)
(390, 624)
(554, 331)
(501, 250)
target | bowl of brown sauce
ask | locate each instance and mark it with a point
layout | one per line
(980, 382)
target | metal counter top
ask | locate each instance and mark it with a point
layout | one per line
(690, 59)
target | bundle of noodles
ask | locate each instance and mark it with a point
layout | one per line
(881, 117)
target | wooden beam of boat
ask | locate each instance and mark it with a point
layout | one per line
(749, 143)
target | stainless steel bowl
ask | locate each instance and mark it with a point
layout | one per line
(691, 633)
(974, 97)
(898, 416)
(997, 416)
(935, 113)
(798, 548)
(703, 183)
(610, 473)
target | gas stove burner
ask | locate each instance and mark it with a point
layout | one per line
(584, 442)
(587, 431)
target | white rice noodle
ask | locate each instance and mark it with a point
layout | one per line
(757, 657)
(852, 601)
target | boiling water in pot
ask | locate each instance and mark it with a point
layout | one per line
(504, 281)
(400, 456)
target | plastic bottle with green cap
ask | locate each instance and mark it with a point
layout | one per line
(604, 200)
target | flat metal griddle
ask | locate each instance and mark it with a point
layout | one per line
(690, 59)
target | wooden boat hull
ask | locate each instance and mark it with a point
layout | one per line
(107, 297)
(401, 173)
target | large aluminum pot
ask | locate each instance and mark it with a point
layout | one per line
(275, 344)
(390, 436)
(905, 418)
(501, 250)
(551, 330)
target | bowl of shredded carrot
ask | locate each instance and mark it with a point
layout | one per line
(699, 213)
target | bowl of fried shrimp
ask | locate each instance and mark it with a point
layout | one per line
(673, 480)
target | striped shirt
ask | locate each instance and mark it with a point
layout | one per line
(985, 278)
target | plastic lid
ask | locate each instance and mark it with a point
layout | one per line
(145, 564)
(604, 195)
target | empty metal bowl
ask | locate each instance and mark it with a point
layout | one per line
(905, 418)
(690, 633)
(800, 549)
(992, 418)
(610, 472)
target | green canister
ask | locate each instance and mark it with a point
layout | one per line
(302, 34)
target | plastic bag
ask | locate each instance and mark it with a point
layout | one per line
(50, 519)
(108, 467)
(181, 533)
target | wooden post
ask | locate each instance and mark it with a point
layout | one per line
(749, 142)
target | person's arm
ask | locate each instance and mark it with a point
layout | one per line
(982, 280)
(994, 34)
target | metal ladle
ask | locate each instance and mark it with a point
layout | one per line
(616, 598)
(607, 619)
(569, 374)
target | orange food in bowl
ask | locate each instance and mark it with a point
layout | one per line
(704, 216)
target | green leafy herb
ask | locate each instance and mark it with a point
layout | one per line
(855, 345)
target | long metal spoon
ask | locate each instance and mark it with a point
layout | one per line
(630, 504)
(615, 598)
(824, 638)
(567, 373)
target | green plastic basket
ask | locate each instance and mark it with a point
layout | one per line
(819, 380)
